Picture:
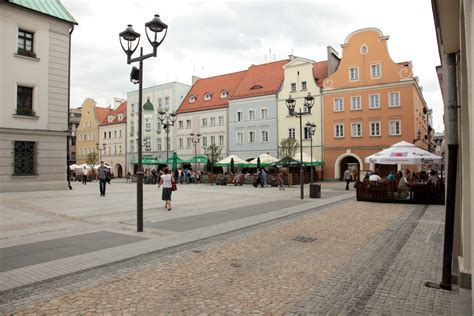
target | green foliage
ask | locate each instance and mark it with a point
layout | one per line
(92, 159)
(288, 147)
(213, 152)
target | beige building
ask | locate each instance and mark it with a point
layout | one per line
(87, 134)
(34, 93)
(113, 140)
(454, 25)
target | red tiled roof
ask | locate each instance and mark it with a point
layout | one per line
(101, 113)
(213, 85)
(320, 72)
(261, 80)
(121, 109)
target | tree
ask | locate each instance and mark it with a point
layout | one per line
(288, 147)
(213, 152)
(92, 159)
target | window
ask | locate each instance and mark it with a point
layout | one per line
(355, 104)
(160, 103)
(167, 101)
(24, 158)
(188, 123)
(180, 124)
(147, 142)
(293, 87)
(192, 99)
(158, 144)
(188, 142)
(148, 123)
(221, 120)
(115, 150)
(207, 96)
(224, 94)
(303, 85)
(204, 141)
(213, 140)
(240, 137)
(133, 108)
(105, 135)
(110, 134)
(204, 121)
(264, 136)
(120, 133)
(291, 133)
(339, 130)
(395, 127)
(251, 115)
(354, 73)
(306, 132)
(115, 134)
(132, 128)
(375, 71)
(120, 149)
(240, 115)
(374, 101)
(24, 101)
(221, 140)
(374, 128)
(394, 99)
(213, 121)
(356, 129)
(25, 43)
(252, 137)
(180, 143)
(263, 114)
(338, 105)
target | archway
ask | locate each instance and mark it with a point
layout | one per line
(346, 160)
(118, 171)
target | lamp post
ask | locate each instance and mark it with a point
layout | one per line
(167, 120)
(308, 104)
(129, 36)
(311, 127)
(195, 138)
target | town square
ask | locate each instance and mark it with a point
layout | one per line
(236, 158)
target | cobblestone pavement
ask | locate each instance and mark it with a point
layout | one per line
(359, 258)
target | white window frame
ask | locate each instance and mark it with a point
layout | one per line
(180, 124)
(371, 107)
(207, 96)
(189, 142)
(224, 94)
(339, 129)
(221, 140)
(180, 143)
(252, 136)
(262, 116)
(204, 141)
(304, 85)
(336, 105)
(293, 86)
(212, 121)
(239, 137)
(397, 133)
(221, 120)
(354, 70)
(374, 66)
(251, 115)
(192, 99)
(239, 117)
(371, 129)
(213, 140)
(357, 97)
(292, 133)
(188, 124)
(390, 104)
(204, 122)
(264, 136)
(352, 129)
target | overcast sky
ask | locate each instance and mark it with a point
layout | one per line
(207, 38)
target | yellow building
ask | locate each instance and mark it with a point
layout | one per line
(87, 134)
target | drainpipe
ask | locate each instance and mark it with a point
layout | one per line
(322, 133)
(68, 110)
(453, 146)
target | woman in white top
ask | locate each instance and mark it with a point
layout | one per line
(166, 180)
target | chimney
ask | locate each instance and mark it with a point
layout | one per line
(291, 57)
(333, 60)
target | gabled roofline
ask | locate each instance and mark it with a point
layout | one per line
(7, 2)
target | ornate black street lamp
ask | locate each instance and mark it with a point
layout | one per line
(131, 40)
(311, 128)
(308, 104)
(195, 138)
(167, 120)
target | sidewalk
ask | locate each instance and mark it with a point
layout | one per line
(49, 234)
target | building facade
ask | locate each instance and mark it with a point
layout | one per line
(252, 122)
(204, 111)
(370, 103)
(74, 121)
(34, 92)
(302, 76)
(113, 140)
(165, 97)
(87, 134)
(455, 29)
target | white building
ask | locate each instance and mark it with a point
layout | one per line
(165, 97)
(34, 93)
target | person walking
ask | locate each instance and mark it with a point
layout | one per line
(280, 181)
(102, 173)
(263, 183)
(166, 180)
(347, 178)
(84, 175)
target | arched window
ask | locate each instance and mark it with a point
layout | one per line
(192, 99)
(224, 94)
(207, 96)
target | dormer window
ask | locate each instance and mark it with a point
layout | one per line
(224, 94)
(257, 86)
(120, 117)
(207, 96)
(110, 118)
(192, 99)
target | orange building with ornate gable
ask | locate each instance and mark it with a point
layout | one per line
(369, 103)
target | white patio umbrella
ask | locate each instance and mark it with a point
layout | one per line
(226, 161)
(265, 159)
(404, 153)
(73, 166)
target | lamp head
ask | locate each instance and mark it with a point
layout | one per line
(290, 104)
(155, 26)
(173, 117)
(161, 115)
(128, 37)
(309, 101)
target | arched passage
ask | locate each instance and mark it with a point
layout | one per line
(344, 161)
(118, 171)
